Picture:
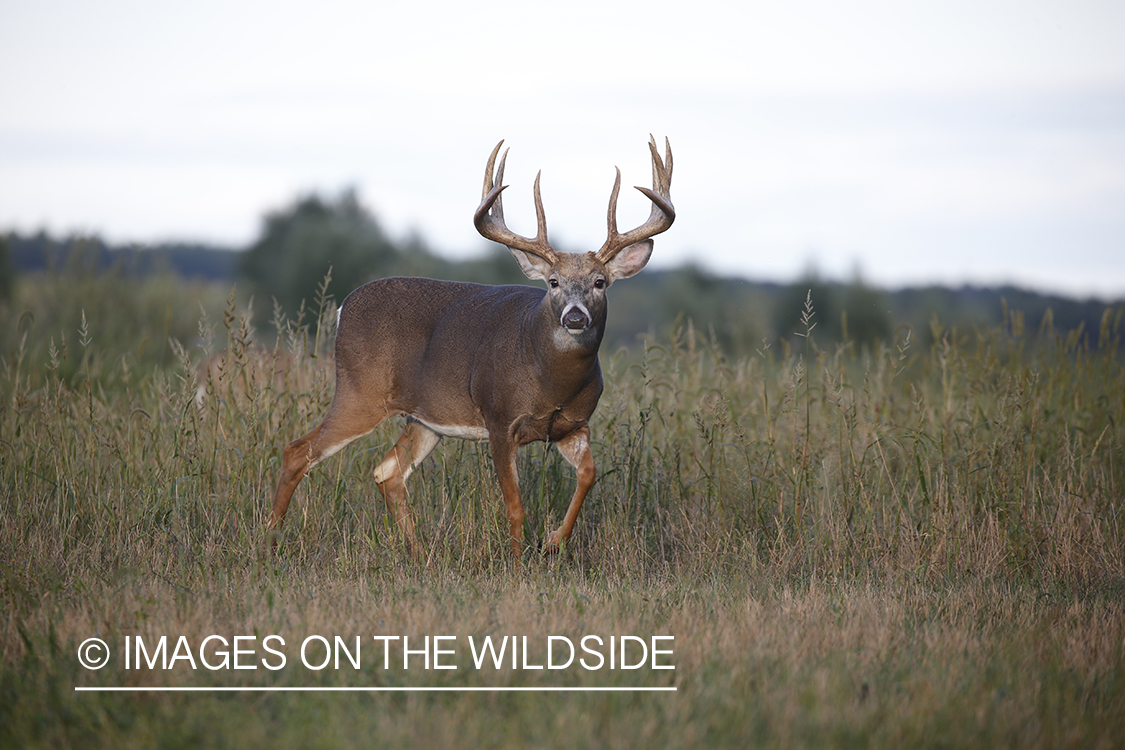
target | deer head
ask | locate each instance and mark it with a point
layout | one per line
(576, 282)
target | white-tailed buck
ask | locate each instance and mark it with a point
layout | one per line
(506, 364)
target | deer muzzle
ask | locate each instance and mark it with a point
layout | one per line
(575, 318)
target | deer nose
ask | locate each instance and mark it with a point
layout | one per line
(575, 318)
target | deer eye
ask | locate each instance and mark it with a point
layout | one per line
(554, 283)
(599, 283)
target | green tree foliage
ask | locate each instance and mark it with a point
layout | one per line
(7, 271)
(300, 243)
(825, 303)
(717, 306)
(865, 317)
(852, 312)
(730, 311)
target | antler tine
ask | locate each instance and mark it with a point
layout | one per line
(540, 216)
(612, 216)
(661, 172)
(488, 170)
(496, 202)
(668, 159)
(489, 216)
(660, 217)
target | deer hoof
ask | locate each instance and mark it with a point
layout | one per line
(551, 546)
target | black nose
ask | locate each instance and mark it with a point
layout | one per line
(575, 319)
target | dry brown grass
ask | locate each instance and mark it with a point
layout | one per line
(876, 548)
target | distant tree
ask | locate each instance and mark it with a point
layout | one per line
(7, 271)
(865, 317)
(790, 307)
(494, 265)
(695, 294)
(299, 244)
(854, 312)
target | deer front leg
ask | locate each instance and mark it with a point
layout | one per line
(413, 445)
(504, 459)
(575, 448)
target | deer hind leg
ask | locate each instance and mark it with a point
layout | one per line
(300, 456)
(575, 448)
(413, 445)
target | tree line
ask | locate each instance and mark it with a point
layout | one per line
(299, 243)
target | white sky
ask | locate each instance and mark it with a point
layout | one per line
(965, 140)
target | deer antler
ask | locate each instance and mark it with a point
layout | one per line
(489, 216)
(662, 214)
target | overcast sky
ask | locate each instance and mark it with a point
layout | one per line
(955, 141)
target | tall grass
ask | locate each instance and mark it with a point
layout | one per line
(852, 546)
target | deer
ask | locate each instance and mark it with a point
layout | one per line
(509, 365)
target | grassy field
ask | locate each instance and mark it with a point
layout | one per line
(877, 548)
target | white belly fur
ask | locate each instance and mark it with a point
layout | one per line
(457, 431)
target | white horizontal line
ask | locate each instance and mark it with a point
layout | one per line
(374, 689)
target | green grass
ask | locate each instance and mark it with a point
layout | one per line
(852, 548)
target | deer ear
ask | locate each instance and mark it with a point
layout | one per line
(533, 267)
(630, 260)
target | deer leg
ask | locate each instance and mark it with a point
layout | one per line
(413, 445)
(575, 448)
(504, 459)
(300, 456)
